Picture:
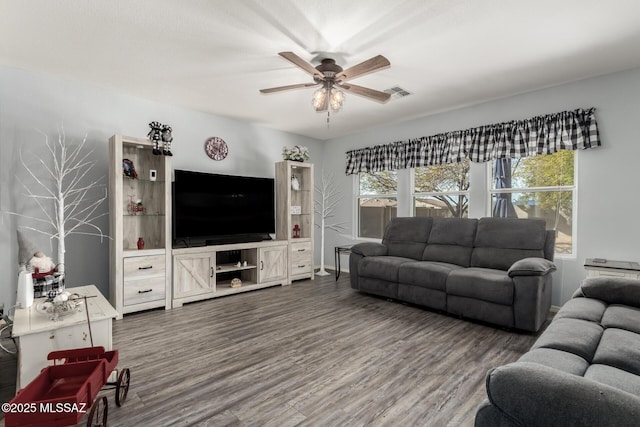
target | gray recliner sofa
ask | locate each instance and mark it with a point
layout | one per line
(584, 370)
(496, 270)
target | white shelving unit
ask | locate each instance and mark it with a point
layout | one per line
(140, 279)
(294, 207)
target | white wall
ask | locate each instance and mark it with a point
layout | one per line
(608, 177)
(30, 101)
(608, 200)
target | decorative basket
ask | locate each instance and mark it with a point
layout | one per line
(45, 284)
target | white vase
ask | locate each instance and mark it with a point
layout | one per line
(24, 297)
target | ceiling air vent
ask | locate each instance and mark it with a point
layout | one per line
(398, 92)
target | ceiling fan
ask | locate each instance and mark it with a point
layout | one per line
(331, 77)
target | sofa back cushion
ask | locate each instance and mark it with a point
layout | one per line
(500, 242)
(451, 241)
(407, 236)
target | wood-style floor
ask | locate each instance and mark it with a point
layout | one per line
(314, 353)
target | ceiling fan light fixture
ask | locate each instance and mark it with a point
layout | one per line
(332, 77)
(337, 99)
(319, 97)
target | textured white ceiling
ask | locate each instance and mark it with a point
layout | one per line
(215, 55)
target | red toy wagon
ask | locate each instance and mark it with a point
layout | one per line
(62, 393)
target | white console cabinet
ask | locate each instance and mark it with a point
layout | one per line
(206, 272)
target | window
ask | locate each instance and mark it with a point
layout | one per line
(441, 190)
(377, 202)
(537, 187)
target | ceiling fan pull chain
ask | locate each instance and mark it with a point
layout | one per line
(328, 116)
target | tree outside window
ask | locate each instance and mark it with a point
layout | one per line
(441, 190)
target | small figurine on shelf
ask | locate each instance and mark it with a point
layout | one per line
(140, 243)
(155, 136)
(128, 169)
(166, 139)
(296, 231)
(134, 208)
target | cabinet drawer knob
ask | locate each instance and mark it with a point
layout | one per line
(301, 250)
(301, 266)
(145, 291)
(145, 268)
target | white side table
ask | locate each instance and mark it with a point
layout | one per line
(37, 335)
(597, 267)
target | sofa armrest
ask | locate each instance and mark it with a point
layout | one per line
(370, 249)
(531, 267)
(537, 395)
(612, 290)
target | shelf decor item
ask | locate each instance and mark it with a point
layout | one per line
(128, 169)
(236, 283)
(295, 184)
(140, 243)
(296, 231)
(297, 153)
(160, 133)
(167, 138)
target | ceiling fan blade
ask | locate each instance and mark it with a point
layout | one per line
(370, 65)
(296, 60)
(373, 94)
(289, 87)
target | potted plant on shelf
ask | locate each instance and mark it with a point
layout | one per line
(297, 153)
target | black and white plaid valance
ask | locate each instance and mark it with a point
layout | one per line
(567, 130)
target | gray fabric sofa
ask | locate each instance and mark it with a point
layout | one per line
(496, 270)
(584, 370)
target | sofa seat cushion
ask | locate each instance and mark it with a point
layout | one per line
(481, 283)
(557, 359)
(620, 349)
(426, 274)
(614, 377)
(582, 308)
(382, 267)
(622, 317)
(580, 337)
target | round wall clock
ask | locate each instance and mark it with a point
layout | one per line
(216, 148)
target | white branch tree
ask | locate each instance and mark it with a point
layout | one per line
(325, 206)
(62, 195)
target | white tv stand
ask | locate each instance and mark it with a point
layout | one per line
(206, 272)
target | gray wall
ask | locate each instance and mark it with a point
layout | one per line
(608, 177)
(31, 102)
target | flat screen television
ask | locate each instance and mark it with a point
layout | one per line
(217, 209)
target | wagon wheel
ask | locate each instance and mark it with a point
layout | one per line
(98, 415)
(122, 386)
